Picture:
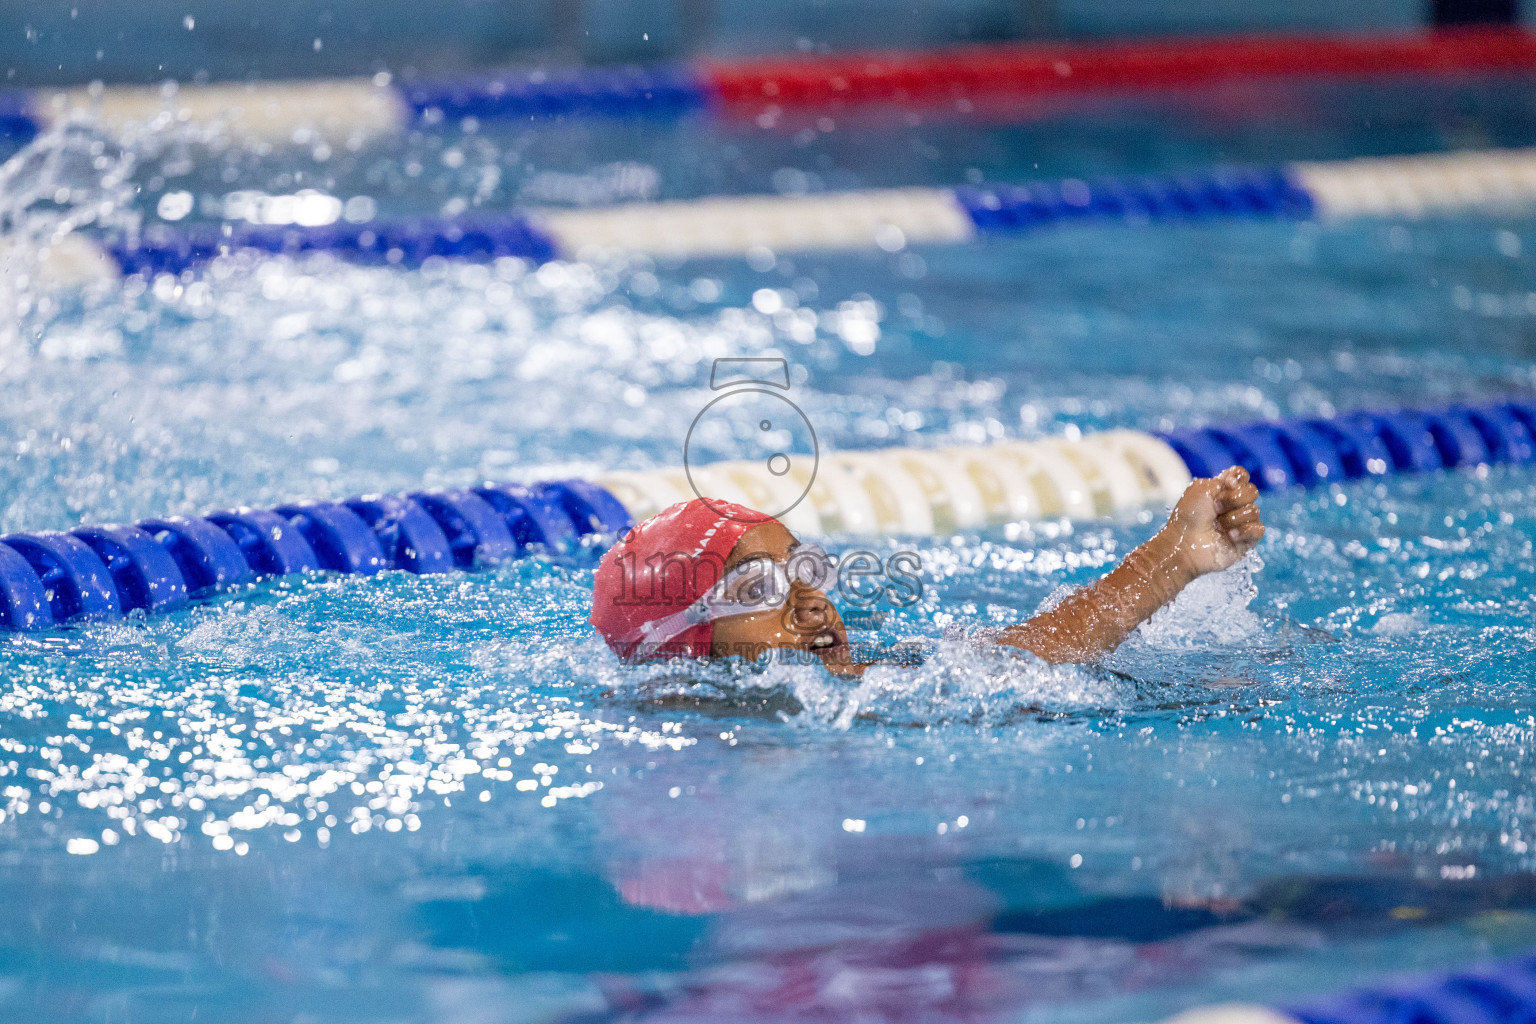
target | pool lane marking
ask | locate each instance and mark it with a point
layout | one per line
(959, 79)
(95, 573)
(283, 113)
(1500, 990)
(1232, 1013)
(887, 219)
(103, 572)
(1418, 186)
(873, 219)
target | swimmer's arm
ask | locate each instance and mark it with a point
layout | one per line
(1214, 525)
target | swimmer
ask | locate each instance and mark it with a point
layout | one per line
(714, 579)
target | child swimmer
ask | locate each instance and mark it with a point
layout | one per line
(708, 578)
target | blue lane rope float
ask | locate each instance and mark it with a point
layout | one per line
(103, 572)
(106, 571)
(1497, 993)
(1223, 192)
(1318, 451)
(617, 92)
(888, 219)
(408, 243)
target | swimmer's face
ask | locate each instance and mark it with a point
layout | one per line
(806, 621)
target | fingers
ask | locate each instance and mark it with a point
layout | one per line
(1242, 524)
(1232, 476)
(1229, 490)
(1247, 536)
(1240, 516)
(1234, 489)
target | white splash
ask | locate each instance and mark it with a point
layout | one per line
(1211, 610)
(70, 177)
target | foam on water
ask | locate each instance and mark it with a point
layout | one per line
(1211, 610)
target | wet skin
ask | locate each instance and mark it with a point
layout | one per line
(1215, 523)
(808, 621)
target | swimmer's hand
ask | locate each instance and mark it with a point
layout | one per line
(1215, 524)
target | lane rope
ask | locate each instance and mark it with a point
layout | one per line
(873, 219)
(1497, 993)
(100, 572)
(962, 78)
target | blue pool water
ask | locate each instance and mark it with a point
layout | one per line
(440, 799)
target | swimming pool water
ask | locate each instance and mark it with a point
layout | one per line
(441, 799)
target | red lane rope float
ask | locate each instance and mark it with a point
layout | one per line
(982, 73)
(995, 79)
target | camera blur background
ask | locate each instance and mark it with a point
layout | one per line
(436, 797)
(72, 41)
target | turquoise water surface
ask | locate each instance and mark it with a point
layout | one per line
(440, 799)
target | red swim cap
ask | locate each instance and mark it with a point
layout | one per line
(662, 566)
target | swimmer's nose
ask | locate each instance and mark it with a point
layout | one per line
(809, 610)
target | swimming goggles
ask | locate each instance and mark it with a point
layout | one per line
(749, 586)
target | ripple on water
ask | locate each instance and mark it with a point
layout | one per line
(1356, 705)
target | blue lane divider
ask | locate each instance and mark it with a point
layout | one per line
(164, 249)
(207, 558)
(76, 584)
(1361, 453)
(103, 572)
(1410, 446)
(475, 532)
(534, 519)
(409, 535)
(1203, 453)
(1507, 437)
(1225, 192)
(1501, 993)
(1258, 450)
(622, 92)
(271, 545)
(977, 76)
(144, 573)
(1459, 440)
(588, 506)
(25, 603)
(1309, 452)
(340, 539)
(1313, 454)
(1220, 193)
(19, 122)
